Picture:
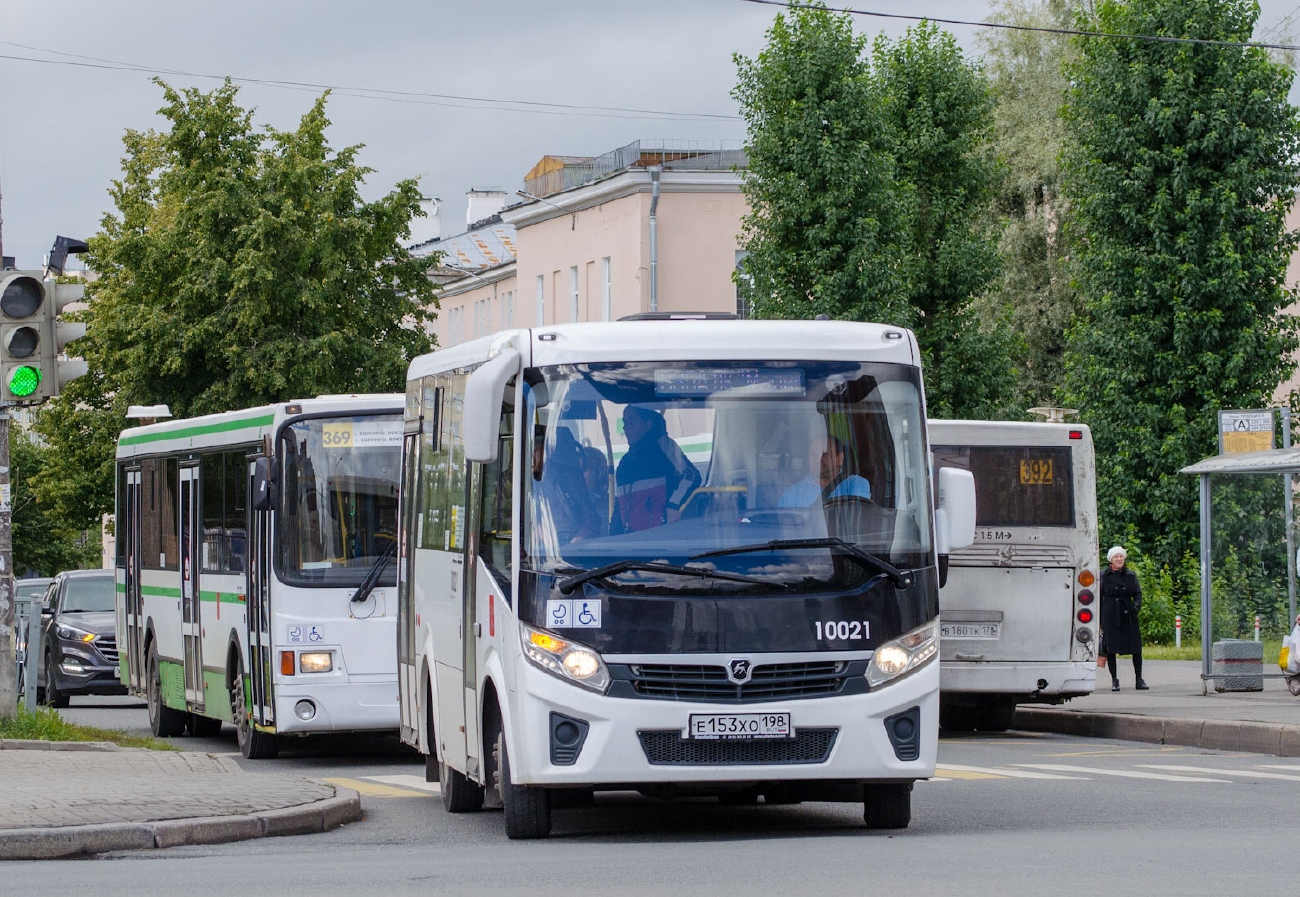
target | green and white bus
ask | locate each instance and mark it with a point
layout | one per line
(255, 564)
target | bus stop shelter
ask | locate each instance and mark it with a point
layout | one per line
(1270, 462)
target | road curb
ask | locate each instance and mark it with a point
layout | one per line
(78, 840)
(1254, 738)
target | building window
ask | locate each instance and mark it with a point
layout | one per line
(541, 300)
(573, 293)
(604, 288)
(508, 310)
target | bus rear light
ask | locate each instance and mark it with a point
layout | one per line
(1085, 597)
(1085, 616)
(286, 663)
(1083, 636)
(1076, 434)
(1086, 578)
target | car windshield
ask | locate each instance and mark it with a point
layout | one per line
(89, 594)
(338, 507)
(30, 588)
(785, 472)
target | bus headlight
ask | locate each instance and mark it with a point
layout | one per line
(568, 660)
(903, 655)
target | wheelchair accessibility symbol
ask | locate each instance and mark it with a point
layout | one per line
(579, 613)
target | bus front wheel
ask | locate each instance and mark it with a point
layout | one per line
(527, 807)
(887, 805)
(254, 745)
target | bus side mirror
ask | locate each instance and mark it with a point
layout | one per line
(264, 497)
(484, 393)
(954, 518)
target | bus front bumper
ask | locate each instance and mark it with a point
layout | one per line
(633, 742)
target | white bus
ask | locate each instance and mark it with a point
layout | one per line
(1018, 617)
(256, 566)
(680, 557)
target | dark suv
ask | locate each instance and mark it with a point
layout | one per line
(79, 637)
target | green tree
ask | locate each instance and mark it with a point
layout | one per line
(1026, 74)
(42, 543)
(828, 221)
(940, 110)
(240, 266)
(1181, 163)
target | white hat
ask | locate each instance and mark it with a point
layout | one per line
(1110, 555)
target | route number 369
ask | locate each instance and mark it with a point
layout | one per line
(843, 630)
(337, 435)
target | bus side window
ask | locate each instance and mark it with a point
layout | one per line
(498, 504)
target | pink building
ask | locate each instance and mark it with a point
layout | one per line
(639, 229)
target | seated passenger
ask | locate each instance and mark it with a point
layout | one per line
(562, 487)
(834, 481)
(654, 478)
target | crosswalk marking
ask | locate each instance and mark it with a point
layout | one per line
(409, 781)
(375, 789)
(998, 772)
(1122, 773)
(1246, 773)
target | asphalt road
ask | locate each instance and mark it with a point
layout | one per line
(1013, 814)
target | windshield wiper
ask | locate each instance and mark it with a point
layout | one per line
(901, 578)
(372, 577)
(568, 585)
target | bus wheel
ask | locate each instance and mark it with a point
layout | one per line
(53, 696)
(887, 805)
(164, 722)
(958, 717)
(527, 807)
(254, 745)
(203, 726)
(996, 714)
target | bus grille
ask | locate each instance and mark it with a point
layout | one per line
(772, 682)
(107, 645)
(667, 747)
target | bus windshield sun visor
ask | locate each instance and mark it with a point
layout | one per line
(901, 578)
(569, 584)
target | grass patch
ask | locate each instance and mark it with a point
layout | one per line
(45, 724)
(1193, 652)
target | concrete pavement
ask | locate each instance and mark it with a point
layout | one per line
(66, 799)
(1177, 710)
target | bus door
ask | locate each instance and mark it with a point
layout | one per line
(133, 624)
(258, 612)
(411, 697)
(191, 605)
(472, 628)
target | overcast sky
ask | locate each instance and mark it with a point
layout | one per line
(65, 102)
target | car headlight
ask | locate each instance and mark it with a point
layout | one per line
(903, 655)
(73, 634)
(568, 660)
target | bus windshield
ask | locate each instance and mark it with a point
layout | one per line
(338, 499)
(798, 475)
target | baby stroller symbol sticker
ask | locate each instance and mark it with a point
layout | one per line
(559, 613)
(579, 613)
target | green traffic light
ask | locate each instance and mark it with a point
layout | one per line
(23, 380)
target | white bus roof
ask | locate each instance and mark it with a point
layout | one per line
(245, 426)
(1006, 432)
(683, 340)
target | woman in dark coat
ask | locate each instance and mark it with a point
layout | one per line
(1121, 602)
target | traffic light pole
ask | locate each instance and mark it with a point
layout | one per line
(8, 655)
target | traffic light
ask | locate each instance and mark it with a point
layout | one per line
(58, 371)
(24, 325)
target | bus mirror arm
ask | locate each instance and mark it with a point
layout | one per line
(484, 393)
(264, 491)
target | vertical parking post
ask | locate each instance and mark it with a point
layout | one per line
(1206, 595)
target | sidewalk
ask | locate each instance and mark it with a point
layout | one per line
(1177, 711)
(66, 799)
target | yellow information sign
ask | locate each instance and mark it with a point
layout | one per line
(337, 435)
(1245, 431)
